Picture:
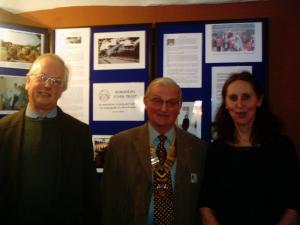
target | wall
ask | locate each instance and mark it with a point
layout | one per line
(9, 18)
(283, 42)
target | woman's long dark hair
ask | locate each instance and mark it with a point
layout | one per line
(265, 125)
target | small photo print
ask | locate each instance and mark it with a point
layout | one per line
(13, 95)
(233, 37)
(100, 143)
(190, 117)
(73, 40)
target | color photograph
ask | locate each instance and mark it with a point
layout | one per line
(233, 42)
(18, 49)
(13, 95)
(100, 143)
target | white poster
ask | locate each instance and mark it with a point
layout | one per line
(183, 59)
(233, 42)
(219, 76)
(75, 100)
(118, 101)
(190, 117)
(119, 50)
(73, 46)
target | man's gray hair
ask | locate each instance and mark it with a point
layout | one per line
(35, 67)
(163, 81)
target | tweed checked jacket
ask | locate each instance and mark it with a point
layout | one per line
(127, 179)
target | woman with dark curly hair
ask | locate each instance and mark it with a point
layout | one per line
(251, 175)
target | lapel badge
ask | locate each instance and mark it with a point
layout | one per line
(194, 178)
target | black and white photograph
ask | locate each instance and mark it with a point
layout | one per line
(119, 50)
(190, 117)
(73, 40)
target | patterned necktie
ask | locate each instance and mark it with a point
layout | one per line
(164, 213)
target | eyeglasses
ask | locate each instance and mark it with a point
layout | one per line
(53, 81)
(170, 103)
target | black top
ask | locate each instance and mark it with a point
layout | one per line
(251, 185)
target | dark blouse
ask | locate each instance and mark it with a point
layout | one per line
(251, 185)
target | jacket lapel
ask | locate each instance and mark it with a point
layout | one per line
(183, 156)
(13, 136)
(142, 148)
(17, 136)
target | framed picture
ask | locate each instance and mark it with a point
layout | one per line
(190, 117)
(100, 143)
(13, 95)
(119, 50)
(233, 42)
(19, 48)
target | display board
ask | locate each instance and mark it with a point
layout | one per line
(120, 72)
(109, 71)
(200, 55)
(117, 74)
(19, 47)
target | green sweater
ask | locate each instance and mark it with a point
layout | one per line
(40, 156)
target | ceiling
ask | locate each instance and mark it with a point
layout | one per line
(20, 6)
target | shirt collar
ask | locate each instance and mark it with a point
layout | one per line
(31, 114)
(170, 134)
